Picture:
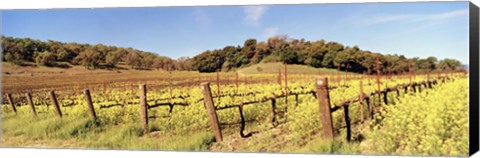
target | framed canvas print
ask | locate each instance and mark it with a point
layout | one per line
(373, 79)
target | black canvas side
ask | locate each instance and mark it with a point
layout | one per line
(474, 79)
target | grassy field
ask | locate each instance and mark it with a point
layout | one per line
(20, 78)
(272, 68)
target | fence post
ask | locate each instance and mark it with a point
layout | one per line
(199, 78)
(55, 103)
(286, 84)
(378, 78)
(370, 107)
(104, 87)
(170, 86)
(236, 82)
(30, 101)
(325, 109)
(207, 97)
(279, 78)
(428, 73)
(143, 107)
(12, 104)
(368, 75)
(361, 101)
(338, 72)
(218, 84)
(91, 110)
(410, 70)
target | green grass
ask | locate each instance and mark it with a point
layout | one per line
(263, 68)
(49, 131)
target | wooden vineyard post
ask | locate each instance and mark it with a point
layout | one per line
(55, 103)
(325, 109)
(446, 71)
(286, 84)
(236, 82)
(368, 73)
(346, 77)
(91, 110)
(361, 100)
(218, 84)
(12, 104)
(32, 106)
(279, 78)
(104, 88)
(370, 108)
(414, 73)
(428, 73)
(245, 80)
(410, 70)
(143, 107)
(338, 72)
(212, 113)
(377, 65)
(438, 71)
(170, 90)
(199, 78)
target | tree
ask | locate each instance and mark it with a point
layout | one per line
(184, 63)
(45, 58)
(89, 58)
(451, 64)
(261, 51)
(249, 47)
(113, 58)
(288, 55)
(158, 63)
(208, 61)
(133, 59)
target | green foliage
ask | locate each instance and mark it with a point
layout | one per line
(209, 61)
(45, 59)
(450, 64)
(441, 131)
(276, 49)
(23, 50)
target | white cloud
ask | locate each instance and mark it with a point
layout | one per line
(253, 14)
(445, 15)
(417, 17)
(270, 32)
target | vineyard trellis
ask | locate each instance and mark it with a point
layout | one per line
(321, 93)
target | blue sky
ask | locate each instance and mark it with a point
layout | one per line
(413, 29)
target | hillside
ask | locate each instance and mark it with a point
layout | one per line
(273, 68)
(279, 49)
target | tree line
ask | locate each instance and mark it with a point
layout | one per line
(26, 51)
(281, 48)
(318, 54)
